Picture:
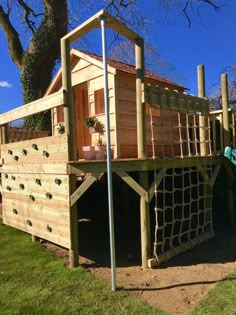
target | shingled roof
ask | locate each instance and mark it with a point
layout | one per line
(128, 68)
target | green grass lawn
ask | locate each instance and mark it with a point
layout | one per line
(219, 301)
(34, 281)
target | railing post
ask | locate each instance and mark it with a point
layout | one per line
(225, 102)
(202, 122)
(140, 107)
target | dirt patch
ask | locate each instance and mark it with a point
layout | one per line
(175, 286)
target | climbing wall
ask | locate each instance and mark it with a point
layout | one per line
(35, 188)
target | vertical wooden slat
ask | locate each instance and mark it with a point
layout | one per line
(214, 133)
(221, 133)
(225, 102)
(233, 129)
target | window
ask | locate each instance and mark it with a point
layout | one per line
(99, 101)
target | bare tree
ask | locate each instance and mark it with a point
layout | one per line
(33, 30)
(215, 97)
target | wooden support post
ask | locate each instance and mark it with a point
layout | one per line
(67, 88)
(140, 107)
(225, 102)
(142, 153)
(202, 123)
(34, 238)
(227, 142)
(69, 130)
(74, 242)
(145, 222)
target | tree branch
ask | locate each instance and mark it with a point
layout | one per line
(28, 12)
(14, 44)
(188, 2)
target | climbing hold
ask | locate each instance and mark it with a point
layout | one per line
(38, 181)
(6, 176)
(57, 181)
(31, 197)
(24, 152)
(49, 229)
(8, 188)
(45, 153)
(13, 177)
(10, 152)
(16, 158)
(34, 146)
(22, 186)
(48, 195)
(14, 211)
(29, 222)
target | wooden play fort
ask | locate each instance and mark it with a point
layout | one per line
(157, 131)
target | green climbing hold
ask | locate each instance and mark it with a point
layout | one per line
(57, 181)
(49, 229)
(29, 222)
(49, 195)
(13, 177)
(45, 153)
(22, 186)
(38, 181)
(14, 211)
(10, 152)
(24, 152)
(34, 146)
(8, 188)
(31, 197)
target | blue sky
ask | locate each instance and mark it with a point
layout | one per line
(209, 41)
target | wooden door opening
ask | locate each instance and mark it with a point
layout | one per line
(82, 135)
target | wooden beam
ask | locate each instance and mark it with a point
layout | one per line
(180, 249)
(81, 167)
(35, 107)
(94, 22)
(133, 184)
(214, 175)
(204, 175)
(156, 182)
(83, 188)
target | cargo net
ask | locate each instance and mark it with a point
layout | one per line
(182, 196)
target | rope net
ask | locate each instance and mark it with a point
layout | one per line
(182, 196)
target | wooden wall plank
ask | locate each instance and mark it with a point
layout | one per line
(42, 211)
(56, 147)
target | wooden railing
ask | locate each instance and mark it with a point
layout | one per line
(16, 134)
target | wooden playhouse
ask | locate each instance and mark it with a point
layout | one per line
(88, 93)
(39, 184)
